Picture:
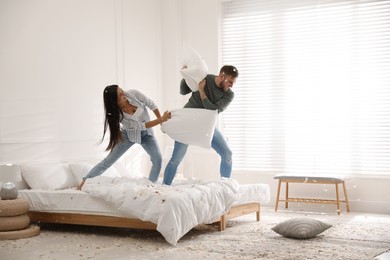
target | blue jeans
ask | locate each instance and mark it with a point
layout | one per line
(218, 143)
(150, 145)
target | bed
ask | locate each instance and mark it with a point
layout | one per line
(117, 201)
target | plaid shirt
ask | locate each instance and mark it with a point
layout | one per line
(132, 124)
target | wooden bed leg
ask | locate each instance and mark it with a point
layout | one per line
(222, 223)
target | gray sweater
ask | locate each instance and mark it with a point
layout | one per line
(217, 98)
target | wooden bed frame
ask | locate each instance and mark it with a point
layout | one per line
(110, 221)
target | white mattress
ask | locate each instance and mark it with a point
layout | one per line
(253, 193)
(74, 201)
(68, 201)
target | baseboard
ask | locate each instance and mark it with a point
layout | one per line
(370, 207)
(355, 206)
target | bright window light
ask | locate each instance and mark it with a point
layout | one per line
(313, 93)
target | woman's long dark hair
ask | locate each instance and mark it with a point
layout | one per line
(113, 116)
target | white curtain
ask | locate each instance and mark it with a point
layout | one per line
(314, 87)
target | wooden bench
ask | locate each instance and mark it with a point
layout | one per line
(314, 179)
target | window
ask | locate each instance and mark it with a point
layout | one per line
(313, 93)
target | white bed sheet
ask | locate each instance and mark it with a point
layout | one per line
(257, 192)
(103, 196)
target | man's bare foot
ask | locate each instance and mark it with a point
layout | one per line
(80, 185)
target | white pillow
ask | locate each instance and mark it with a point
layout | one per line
(301, 228)
(11, 173)
(52, 176)
(192, 126)
(79, 170)
(196, 68)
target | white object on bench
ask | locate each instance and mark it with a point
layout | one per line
(316, 179)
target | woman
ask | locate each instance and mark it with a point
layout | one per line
(128, 109)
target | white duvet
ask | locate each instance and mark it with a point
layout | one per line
(175, 209)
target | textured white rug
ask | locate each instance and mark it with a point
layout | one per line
(352, 236)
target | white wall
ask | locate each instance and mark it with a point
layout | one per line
(57, 56)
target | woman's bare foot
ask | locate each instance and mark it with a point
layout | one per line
(80, 185)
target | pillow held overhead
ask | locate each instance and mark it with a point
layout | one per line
(191, 126)
(196, 68)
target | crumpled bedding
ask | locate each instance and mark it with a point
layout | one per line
(174, 209)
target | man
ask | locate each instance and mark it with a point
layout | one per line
(214, 93)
